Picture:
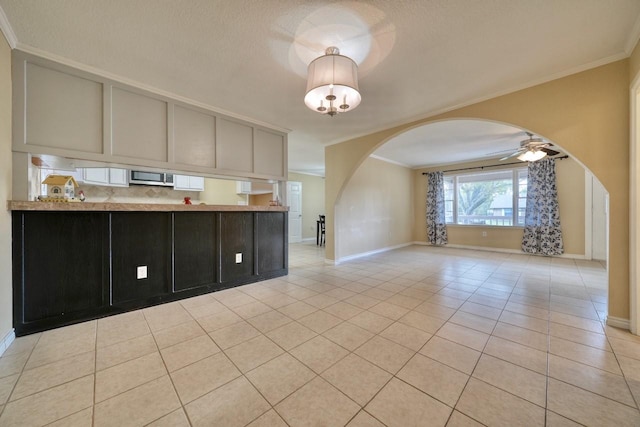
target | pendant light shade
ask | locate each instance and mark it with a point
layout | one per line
(332, 84)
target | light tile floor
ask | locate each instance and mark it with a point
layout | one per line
(418, 336)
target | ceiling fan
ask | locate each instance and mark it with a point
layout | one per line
(532, 149)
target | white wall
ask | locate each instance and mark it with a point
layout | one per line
(376, 209)
(6, 314)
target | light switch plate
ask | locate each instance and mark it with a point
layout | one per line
(239, 258)
(141, 272)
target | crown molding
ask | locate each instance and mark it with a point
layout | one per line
(393, 162)
(5, 26)
(306, 173)
(433, 113)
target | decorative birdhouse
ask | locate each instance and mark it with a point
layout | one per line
(60, 187)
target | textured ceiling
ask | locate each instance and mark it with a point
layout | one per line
(249, 57)
(450, 142)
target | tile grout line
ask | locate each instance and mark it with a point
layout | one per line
(476, 364)
(400, 292)
(182, 406)
(13, 389)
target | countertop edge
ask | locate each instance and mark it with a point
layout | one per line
(20, 205)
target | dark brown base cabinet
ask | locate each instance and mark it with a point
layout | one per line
(73, 266)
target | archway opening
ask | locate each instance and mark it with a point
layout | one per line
(382, 205)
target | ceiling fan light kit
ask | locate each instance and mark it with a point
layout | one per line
(332, 83)
(532, 149)
(532, 155)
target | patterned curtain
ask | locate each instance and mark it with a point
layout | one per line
(436, 225)
(542, 234)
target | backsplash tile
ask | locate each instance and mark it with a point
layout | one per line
(137, 194)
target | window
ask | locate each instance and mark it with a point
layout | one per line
(486, 198)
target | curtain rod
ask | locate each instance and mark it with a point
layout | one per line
(493, 166)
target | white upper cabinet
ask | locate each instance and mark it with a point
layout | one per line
(112, 177)
(190, 183)
(247, 187)
(119, 177)
(63, 111)
(243, 187)
(96, 176)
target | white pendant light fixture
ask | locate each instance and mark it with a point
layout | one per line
(332, 83)
(532, 155)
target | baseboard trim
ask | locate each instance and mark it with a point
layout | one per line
(454, 246)
(501, 250)
(376, 251)
(309, 239)
(618, 322)
(7, 340)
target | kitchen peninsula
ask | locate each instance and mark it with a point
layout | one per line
(78, 261)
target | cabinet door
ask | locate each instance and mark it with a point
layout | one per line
(194, 250)
(181, 182)
(63, 263)
(188, 183)
(243, 187)
(271, 241)
(236, 242)
(96, 176)
(140, 239)
(118, 177)
(196, 183)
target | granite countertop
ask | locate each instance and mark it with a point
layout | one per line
(18, 205)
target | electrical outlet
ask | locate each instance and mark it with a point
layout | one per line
(141, 272)
(239, 258)
(484, 234)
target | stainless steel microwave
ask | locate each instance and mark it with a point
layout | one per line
(151, 178)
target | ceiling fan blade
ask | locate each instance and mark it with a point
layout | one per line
(517, 153)
(510, 150)
(549, 151)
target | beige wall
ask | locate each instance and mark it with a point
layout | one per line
(260, 199)
(6, 321)
(585, 114)
(312, 201)
(570, 182)
(571, 198)
(221, 192)
(376, 209)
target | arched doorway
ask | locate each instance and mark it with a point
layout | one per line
(369, 208)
